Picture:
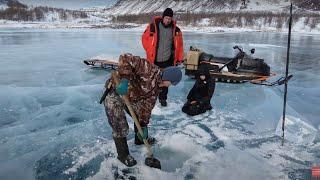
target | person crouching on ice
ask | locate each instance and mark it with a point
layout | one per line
(141, 81)
(201, 93)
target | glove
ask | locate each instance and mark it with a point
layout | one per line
(122, 88)
(145, 133)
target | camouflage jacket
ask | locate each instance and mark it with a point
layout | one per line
(144, 79)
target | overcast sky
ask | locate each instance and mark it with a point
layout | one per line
(69, 4)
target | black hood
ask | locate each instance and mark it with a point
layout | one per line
(203, 70)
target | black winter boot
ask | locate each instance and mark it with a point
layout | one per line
(163, 103)
(209, 107)
(138, 140)
(123, 152)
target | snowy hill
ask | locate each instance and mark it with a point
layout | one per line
(148, 6)
(219, 15)
(16, 11)
(208, 15)
(4, 4)
(313, 5)
(67, 4)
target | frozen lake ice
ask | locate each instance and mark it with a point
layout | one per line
(52, 126)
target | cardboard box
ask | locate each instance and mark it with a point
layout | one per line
(193, 60)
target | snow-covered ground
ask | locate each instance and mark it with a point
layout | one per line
(99, 16)
(274, 6)
(150, 6)
(260, 26)
(67, 4)
(96, 22)
(3, 6)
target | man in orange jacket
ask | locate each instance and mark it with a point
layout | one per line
(163, 43)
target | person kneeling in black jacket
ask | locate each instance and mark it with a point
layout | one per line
(201, 93)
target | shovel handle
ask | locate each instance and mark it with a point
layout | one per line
(133, 114)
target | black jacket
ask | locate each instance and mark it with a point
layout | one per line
(202, 91)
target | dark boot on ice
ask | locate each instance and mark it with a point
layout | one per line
(163, 103)
(123, 152)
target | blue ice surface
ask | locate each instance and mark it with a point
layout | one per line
(52, 126)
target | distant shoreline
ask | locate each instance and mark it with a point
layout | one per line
(138, 27)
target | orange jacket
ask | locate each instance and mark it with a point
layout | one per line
(150, 41)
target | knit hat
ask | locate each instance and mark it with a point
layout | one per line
(167, 12)
(172, 74)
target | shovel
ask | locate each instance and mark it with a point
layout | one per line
(150, 160)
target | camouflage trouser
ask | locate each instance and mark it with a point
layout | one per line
(115, 110)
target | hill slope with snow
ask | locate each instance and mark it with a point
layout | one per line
(149, 6)
(212, 15)
(69, 4)
(17, 11)
(261, 15)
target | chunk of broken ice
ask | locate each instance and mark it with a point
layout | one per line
(296, 130)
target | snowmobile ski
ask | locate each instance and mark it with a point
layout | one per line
(101, 63)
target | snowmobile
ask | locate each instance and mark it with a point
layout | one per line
(241, 68)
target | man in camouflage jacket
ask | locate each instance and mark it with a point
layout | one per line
(140, 80)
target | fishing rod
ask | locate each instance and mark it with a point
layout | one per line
(287, 74)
